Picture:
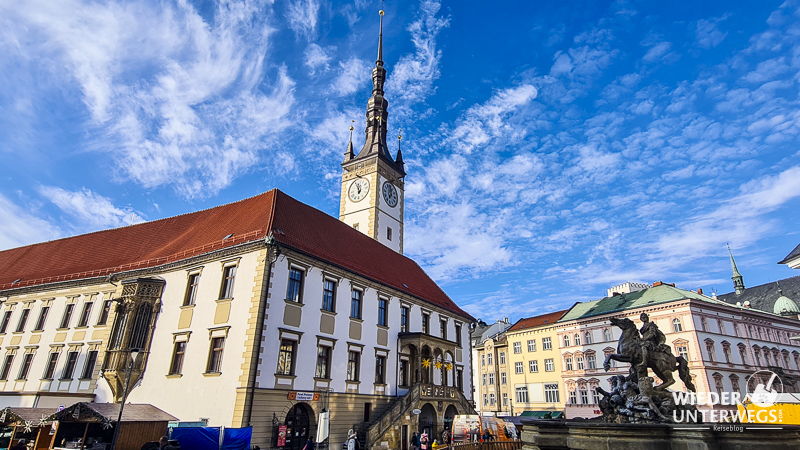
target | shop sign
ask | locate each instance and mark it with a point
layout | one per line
(282, 436)
(303, 396)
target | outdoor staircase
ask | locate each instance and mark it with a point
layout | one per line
(404, 406)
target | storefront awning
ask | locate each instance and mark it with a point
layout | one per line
(22, 415)
(543, 414)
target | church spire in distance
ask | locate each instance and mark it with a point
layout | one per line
(738, 280)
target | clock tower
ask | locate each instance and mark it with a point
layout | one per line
(372, 181)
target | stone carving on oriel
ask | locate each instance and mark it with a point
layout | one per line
(633, 398)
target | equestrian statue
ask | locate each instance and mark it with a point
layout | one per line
(648, 350)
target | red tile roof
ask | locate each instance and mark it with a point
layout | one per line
(537, 321)
(295, 225)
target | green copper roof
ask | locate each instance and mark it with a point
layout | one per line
(622, 302)
(784, 305)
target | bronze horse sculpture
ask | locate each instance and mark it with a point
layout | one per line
(636, 351)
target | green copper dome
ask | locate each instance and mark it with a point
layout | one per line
(785, 306)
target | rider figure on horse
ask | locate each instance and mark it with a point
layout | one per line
(653, 339)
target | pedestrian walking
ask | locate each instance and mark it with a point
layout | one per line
(415, 441)
(352, 440)
(309, 445)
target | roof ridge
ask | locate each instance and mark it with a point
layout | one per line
(106, 230)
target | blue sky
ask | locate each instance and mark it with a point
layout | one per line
(553, 149)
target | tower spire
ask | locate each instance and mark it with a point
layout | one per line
(738, 280)
(377, 112)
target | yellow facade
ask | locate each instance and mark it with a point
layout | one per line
(540, 367)
(493, 382)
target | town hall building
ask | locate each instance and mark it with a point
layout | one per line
(264, 312)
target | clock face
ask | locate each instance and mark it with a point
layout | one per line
(390, 194)
(358, 189)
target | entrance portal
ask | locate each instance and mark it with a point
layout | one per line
(297, 427)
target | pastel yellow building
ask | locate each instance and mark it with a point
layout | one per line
(534, 384)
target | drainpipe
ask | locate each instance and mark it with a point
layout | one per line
(272, 255)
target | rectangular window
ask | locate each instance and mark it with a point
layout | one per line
(483, 360)
(518, 367)
(323, 362)
(191, 289)
(6, 319)
(522, 394)
(573, 398)
(42, 318)
(551, 393)
(355, 303)
(502, 378)
(403, 379)
(584, 396)
(443, 329)
(228, 276)
(176, 367)
(591, 361)
(548, 365)
(404, 311)
(7, 366)
(286, 357)
(23, 319)
(579, 362)
(491, 400)
(502, 357)
(87, 311)
(88, 368)
(460, 379)
(382, 312)
(50, 370)
(489, 358)
(353, 365)
(380, 369)
(546, 344)
(104, 313)
(67, 317)
(491, 379)
(426, 324)
(69, 369)
(683, 351)
(517, 347)
(215, 354)
(388, 234)
(533, 365)
(532, 345)
(483, 377)
(485, 399)
(458, 334)
(505, 399)
(329, 295)
(26, 366)
(294, 293)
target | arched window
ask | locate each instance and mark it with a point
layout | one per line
(587, 337)
(735, 384)
(676, 325)
(607, 334)
(718, 383)
(757, 355)
(743, 354)
(577, 339)
(566, 340)
(710, 349)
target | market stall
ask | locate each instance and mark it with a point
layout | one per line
(31, 424)
(91, 426)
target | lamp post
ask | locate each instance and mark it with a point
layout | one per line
(134, 352)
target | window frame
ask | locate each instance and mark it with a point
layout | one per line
(89, 364)
(52, 364)
(178, 357)
(294, 286)
(105, 313)
(69, 368)
(329, 286)
(66, 318)
(40, 322)
(192, 286)
(356, 304)
(380, 369)
(405, 313)
(228, 281)
(353, 366)
(531, 345)
(322, 368)
(547, 344)
(287, 357)
(25, 367)
(549, 365)
(517, 347)
(6, 320)
(383, 311)
(23, 319)
(215, 355)
(86, 314)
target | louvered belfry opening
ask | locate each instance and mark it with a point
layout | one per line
(135, 317)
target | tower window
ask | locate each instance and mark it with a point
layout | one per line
(388, 233)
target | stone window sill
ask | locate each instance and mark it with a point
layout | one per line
(212, 374)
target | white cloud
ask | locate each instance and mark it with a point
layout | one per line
(20, 227)
(352, 74)
(411, 79)
(200, 119)
(708, 34)
(93, 210)
(657, 52)
(302, 17)
(317, 58)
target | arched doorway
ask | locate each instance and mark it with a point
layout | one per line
(428, 422)
(298, 426)
(449, 414)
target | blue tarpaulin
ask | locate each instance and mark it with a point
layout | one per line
(207, 438)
